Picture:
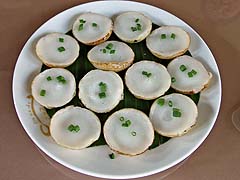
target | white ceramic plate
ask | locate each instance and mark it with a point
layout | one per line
(95, 161)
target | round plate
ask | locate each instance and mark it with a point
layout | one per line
(95, 161)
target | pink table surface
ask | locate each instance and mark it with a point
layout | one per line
(217, 21)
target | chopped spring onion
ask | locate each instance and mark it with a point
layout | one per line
(61, 49)
(163, 36)
(183, 68)
(121, 118)
(133, 133)
(43, 92)
(103, 86)
(73, 128)
(112, 156)
(133, 29)
(94, 25)
(145, 73)
(49, 78)
(170, 103)
(112, 51)
(127, 123)
(192, 73)
(139, 27)
(61, 79)
(173, 36)
(173, 79)
(102, 95)
(82, 21)
(176, 112)
(109, 46)
(80, 27)
(60, 39)
(161, 101)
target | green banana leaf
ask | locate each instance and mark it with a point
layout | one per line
(81, 66)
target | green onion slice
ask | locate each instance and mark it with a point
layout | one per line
(103, 86)
(127, 123)
(80, 27)
(133, 133)
(42, 92)
(194, 72)
(161, 101)
(82, 21)
(183, 68)
(163, 36)
(112, 156)
(121, 118)
(61, 79)
(49, 78)
(173, 36)
(112, 51)
(94, 25)
(61, 49)
(173, 79)
(60, 39)
(139, 27)
(109, 46)
(145, 73)
(133, 29)
(73, 128)
(102, 95)
(170, 103)
(176, 112)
